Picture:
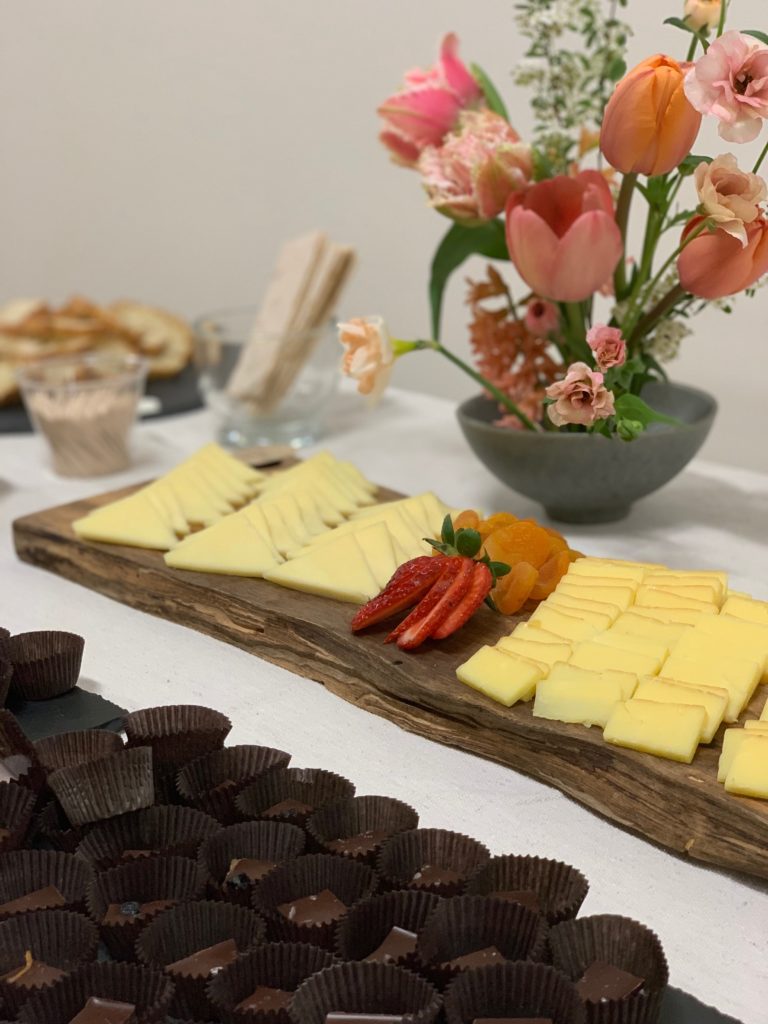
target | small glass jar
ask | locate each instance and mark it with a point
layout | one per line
(85, 407)
(294, 416)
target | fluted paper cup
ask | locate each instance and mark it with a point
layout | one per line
(271, 842)
(177, 733)
(54, 827)
(105, 787)
(312, 787)
(513, 990)
(403, 858)
(17, 805)
(18, 754)
(29, 871)
(6, 671)
(336, 827)
(70, 748)
(45, 663)
(154, 831)
(559, 889)
(212, 782)
(370, 921)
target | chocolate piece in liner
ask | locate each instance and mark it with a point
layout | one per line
(319, 908)
(266, 998)
(39, 899)
(263, 842)
(17, 805)
(431, 859)
(287, 807)
(213, 782)
(167, 831)
(46, 663)
(513, 1020)
(398, 946)
(304, 788)
(104, 1011)
(106, 786)
(357, 827)
(514, 991)
(366, 933)
(177, 733)
(32, 974)
(205, 962)
(131, 911)
(69, 748)
(363, 1018)
(31, 879)
(559, 888)
(477, 958)
(527, 897)
(603, 982)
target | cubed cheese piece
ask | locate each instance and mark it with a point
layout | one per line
(655, 566)
(646, 598)
(232, 547)
(598, 657)
(747, 609)
(608, 570)
(502, 677)
(713, 699)
(621, 597)
(667, 580)
(136, 521)
(732, 740)
(598, 619)
(564, 699)
(670, 616)
(748, 774)
(755, 723)
(546, 654)
(567, 626)
(525, 631)
(665, 730)
(626, 681)
(338, 570)
(638, 625)
(630, 642)
(710, 593)
(738, 676)
(749, 639)
(708, 574)
(567, 601)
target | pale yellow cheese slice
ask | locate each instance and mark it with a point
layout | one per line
(566, 601)
(736, 675)
(288, 508)
(280, 531)
(666, 580)
(563, 699)
(411, 508)
(606, 570)
(747, 609)
(599, 657)
(719, 639)
(647, 598)
(221, 479)
(524, 631)
(732, 740)
(764, 715)
(255, 516)
(309, 511)
(629, 642)
(583, 677)
(567, 626)
(167, 503)
(394, 520)
(205, 475)
(544, 653)
(332, 502)
(748, 773)
(649, 566)
(376, 542)
(197, 503)
(670, 616)
(231, 547)
(665, 730)
(135, 521)
(598, 619)
(502, 677)
(252, 478)
(639, 625)
(713, 699)
(621, 597)
(337, 570)
(709, 593)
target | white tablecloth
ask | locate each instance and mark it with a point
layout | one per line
(714, 927)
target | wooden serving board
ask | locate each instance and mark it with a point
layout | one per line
(678, 806)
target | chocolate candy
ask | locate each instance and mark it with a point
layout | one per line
(33, 973)
(362, 1018)
(360, 844)
(527, 897)
(245, 870)
(131, 910)
(136, 854)
(40, 899)
(206, 961)
(512, 1020)
(322, 908)
(266, 998)
(602, 982)
(433, 874)
(104, 1011)
(477, 958)
(397, 945)
(287, 807)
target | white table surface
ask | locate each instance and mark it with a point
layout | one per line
(714, 926)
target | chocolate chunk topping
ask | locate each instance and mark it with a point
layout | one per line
(602, 982)
(397, 945)
(206, 961)
(266, 998)
(321, 908)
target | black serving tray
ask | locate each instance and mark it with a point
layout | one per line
(78, 709)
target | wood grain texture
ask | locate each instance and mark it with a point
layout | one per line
(678, 806)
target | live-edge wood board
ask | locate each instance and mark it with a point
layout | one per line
(678, 806)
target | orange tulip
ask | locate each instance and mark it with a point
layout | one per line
(715, 264)
(649, 126)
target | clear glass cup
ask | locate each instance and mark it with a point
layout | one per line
(298, 417)
(85, 407)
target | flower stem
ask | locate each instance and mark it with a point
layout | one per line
(760, 159)
(723, 12)
(501, 398)
(652, 317)
(692, 47)
(622, 219)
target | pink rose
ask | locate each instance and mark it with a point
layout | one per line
(731, 82)
(580, 397)
(368, 356)
(541, 317)
(730, 196)
(428, 106)
(471, 176)
(608, 345)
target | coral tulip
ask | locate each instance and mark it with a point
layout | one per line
(562, 236)
(649, 126)
(716, 264)
(428, 106)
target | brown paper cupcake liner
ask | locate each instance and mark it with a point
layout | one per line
(27, 871)
(140, 881)
(212, 782)
(17, 805)
(513, 990)
(356, 816)
(58, 938)
(187, 929)
(53, 826)
(625, 944)
(177, 733)
(6, 671)
(401, 857)
(72, 748)
(149, 991)
(272, 841)
(365, 988)
(153, 831)
(283, 965)
(469, 923)
(312, 786)
(18, 754)
(370, 921)
(46, 663)
(4, 634)
(166, 794)
(560, 888)
(106, 787)
(307, 876)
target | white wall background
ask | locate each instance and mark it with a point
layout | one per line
(162, 149)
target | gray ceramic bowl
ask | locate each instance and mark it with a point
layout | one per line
(587, 478)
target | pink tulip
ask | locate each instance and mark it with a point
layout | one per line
(562, 236)
(716, 264)
(428, 106)
(730, 82)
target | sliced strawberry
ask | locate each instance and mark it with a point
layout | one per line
(420, 630)
(450, 569)
(479, 588)
(409, 583)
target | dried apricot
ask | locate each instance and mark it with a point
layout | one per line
(524, 540)
(499, 519)
(466, 520)
(550, 575)
(512, 590)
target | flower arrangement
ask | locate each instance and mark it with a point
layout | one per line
(558, 208)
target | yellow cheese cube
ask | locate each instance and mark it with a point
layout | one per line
(665, 730)
(737, 676)
(568, 626)
(669, 616)
(732, 740)
(718, 575)
(566, 601)
(598, 619)
(565, 671)
(668, 580)
(650, 566)
(747, 609)
(755, 723)
(648, 598)
(630, 642)
(749, 639)
(620, 596)
(598, 657)
(524, 631)
(710, 593)
(748, 774)
(607, 570)
(502, 677)
(712, 699)
(580, 697)
(639, 625)
(546, 654)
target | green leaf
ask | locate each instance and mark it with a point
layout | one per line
(468, 542)
(447, 531)
(458, 244)
(762, 36)
(691, 162)
(492, 98)
(616, 69)
(499, 569)
(681, 23)
(632, 407)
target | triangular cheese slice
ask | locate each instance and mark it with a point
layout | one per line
(376, 542)
(251, 478)
(195, 500)
(279, 531)
(289, 510)
(258, 521)
(310, 513)
(231, 547)
(165, 501)
(231, 488)
(337, 570)
(134, 521)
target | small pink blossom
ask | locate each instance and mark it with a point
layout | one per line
(730, 196)
(368, 356)
(730, 82)
(581, 397)
(541, 317)
(473, 173)
(608, 345)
